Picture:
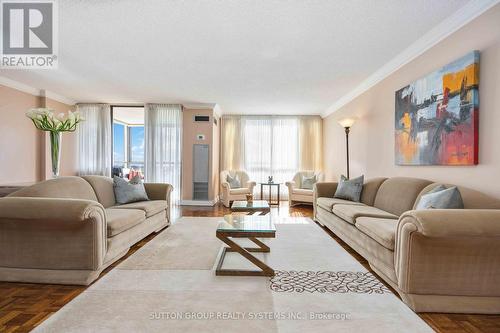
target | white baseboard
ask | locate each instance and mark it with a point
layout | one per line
(209, 203)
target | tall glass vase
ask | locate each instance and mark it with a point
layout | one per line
(55, 152)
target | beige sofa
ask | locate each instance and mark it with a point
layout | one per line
(68, 230)
(298, 195)
(437, 260)
(229, 194)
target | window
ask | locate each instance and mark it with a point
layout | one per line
(119, 144)
(271, 148)
(136, 146)
(128, 141)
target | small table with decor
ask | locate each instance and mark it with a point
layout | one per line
(271, 202)
(244, 226)
(256, 207)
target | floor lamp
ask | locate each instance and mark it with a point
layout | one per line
(347, 123)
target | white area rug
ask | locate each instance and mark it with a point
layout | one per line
(169, 285)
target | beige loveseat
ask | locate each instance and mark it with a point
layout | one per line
(437, 260)
(68, 230)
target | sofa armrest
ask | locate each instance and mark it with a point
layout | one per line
(325, 189)
(322, 189)
(49, 233)
(160, 191)
(448, 252)
(455, 222)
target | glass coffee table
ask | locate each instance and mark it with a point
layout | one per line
(256, 207)
(250, 227)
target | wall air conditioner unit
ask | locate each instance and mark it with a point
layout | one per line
(201, 118)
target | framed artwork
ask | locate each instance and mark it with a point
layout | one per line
(437, 116)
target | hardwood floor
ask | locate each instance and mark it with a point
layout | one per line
(23, 306)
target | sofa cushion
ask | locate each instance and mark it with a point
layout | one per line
(370, 189)
(472, 199)
(243, 190)
(103, 188)
(307, 182)
(328, 203)
(350, 213)
(151, 208)
(234, 181)
(383, 231)
(349, 189)
(441, 198)
(398, 194)
(63, 187)
(302, 191)
(129, 191)
(119, 220)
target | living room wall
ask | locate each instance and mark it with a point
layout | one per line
(190, 130)
(372, 136)
(24, 151)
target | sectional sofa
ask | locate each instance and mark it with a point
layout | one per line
(68, 230)
(437, 260)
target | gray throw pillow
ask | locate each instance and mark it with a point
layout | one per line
(447, 198)
(349, 189)
(234, 182)
(132, 191)
(307, 183)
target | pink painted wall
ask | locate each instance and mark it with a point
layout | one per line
(20, 142)
(372, 137)
(24, 154)
(190, 130)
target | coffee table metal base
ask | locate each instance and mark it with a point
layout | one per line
(245, 252)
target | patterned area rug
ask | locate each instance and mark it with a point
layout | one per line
(169, 285)
(327, 282)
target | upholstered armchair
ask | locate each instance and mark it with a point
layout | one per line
(297, 194)
(229, 194)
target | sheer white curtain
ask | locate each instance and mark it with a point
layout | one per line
(270, 148)
(162, 141)
(94, 139)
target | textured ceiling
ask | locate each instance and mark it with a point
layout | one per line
(250, 57)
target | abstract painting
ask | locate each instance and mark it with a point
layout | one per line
(437, 116)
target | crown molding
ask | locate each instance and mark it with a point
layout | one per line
(34, 91)
(457, 20)
(19, 86)
(57, 97)
(217, 111)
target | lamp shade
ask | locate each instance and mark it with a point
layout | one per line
(347, 122)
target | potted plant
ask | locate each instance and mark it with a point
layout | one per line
(45, 119)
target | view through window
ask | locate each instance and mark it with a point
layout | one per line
(128, 141)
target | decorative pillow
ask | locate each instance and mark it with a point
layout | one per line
(447, 198)
(307, 183)
(349, 189)
(132, 191)
(234, 182)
